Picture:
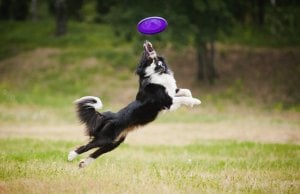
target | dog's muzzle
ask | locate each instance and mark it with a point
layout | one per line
(149, 50)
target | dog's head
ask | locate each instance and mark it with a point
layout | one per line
(150, 62)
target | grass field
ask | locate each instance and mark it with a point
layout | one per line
(235, 142)
(203, 151)
(40, 166)
(200, 150)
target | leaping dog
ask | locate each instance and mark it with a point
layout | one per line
(157, 92)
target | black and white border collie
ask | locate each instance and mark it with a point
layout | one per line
(157, 92)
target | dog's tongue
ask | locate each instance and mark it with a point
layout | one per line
(149, 49)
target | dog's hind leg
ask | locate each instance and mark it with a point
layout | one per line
(102, 150)
(74, 153)
(93, 144)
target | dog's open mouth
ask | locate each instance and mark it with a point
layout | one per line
(148, 46)
(149, 49)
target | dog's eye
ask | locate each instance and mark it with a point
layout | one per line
(93, 101)
(149, 62)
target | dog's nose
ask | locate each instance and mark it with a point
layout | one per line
(147, 42)
(148, 46)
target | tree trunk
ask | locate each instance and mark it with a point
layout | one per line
(261, 12)
(206, 62)
(212, 74)
(61, 17)
(33, 10)
(5, 9)
(201, 62)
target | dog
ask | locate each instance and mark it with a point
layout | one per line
(157, 92)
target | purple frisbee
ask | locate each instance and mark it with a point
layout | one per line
(152, 25)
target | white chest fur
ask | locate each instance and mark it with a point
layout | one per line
(166, 80)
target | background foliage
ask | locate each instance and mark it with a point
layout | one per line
(204, 30)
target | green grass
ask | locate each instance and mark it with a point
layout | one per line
(40, 166)
(82, 40)
(38, 68)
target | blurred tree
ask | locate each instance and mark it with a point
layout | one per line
(20, 9)
(208, 18)
(274, 19)
(261, 7)
(5, 9)
(14, 9)
(74, 9)
(103, 7)
(33, 10)
(199, 20)
(63, 11)
(248, 12)
(61, 17)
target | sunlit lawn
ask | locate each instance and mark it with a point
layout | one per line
(36, 166)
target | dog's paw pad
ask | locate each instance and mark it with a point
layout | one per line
(84, 163)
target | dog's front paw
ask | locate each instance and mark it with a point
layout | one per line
(84, 163)
(195, 101)
(184, 92)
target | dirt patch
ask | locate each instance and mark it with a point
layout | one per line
(172, 134)
(179, 134)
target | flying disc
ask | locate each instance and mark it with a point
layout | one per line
(152, 25)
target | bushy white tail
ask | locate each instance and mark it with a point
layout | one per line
(86, 111)
(91, 101)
